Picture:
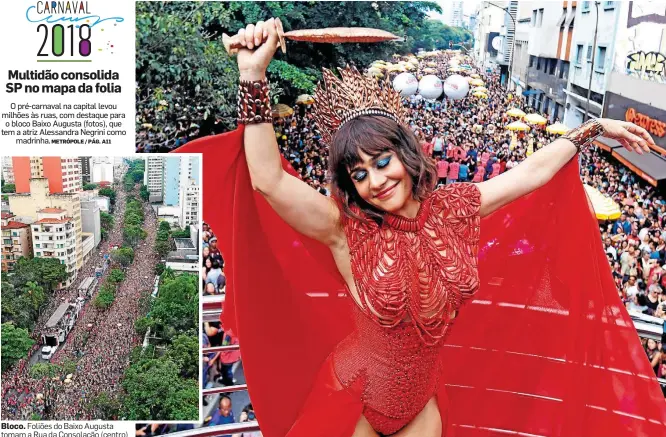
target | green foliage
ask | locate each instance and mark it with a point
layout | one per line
(108, 192)
(43, 370)
(88, 187)
(143, 192)
(159, 269)
(141, 325)
(105, 296)
(115, 276)
(176, 309)
(163, 235)
(133, 234)
(21, 305)
(185, 75)
(16, 343)
(180, 233)
(155, 390)
(184, 351)
(9, 188)
(104, 407)
(123, 255)
(47, 272)
(164, 226)
(162, 248)
(436, 35)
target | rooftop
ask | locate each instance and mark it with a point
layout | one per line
(51, 210)
(15, 225)
(54, 220)
(6, 215)
(183, 243)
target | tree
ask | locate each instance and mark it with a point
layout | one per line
(106, 220)
(16, 343)
(176, 309)
(104, 407)
(163, 235)
(47, 272)
(143, 193)
(88, 187)
(164, 226)
(162, 248)
(124, 256)
(44, 370)
(105, 297)
(133, 234)
(184, 351)
(141, 325)
(108, 192)
(159, 268)
(9, 188)
(116, 276)
(155, 389)
(180, 233)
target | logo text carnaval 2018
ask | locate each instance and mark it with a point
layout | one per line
(79, 9)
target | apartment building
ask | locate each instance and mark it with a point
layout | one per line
(190, 206)
(153, 177)
(16, 241)
(54, 236)
(63, 174)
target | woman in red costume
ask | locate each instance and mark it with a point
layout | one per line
(344, 306)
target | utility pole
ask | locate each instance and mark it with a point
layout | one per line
(594, 52)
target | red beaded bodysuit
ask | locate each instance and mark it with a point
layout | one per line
(541, 344)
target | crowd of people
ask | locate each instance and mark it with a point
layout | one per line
(212, 270)
(98, 343)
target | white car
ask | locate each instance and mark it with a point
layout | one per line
(48, 351)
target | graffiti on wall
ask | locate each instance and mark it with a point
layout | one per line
(647, 66)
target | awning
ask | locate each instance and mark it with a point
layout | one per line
(528, 92)
(650, 166)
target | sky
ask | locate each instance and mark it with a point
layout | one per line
(469, 6)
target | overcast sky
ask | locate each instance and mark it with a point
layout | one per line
(469, 6)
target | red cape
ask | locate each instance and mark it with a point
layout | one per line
(544, 348)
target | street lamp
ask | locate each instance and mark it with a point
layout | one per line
(513, 43)
(594, 50)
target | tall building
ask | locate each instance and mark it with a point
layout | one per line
(54, 236)
(63, 174)
(456, 17)
(90, 220)
(153, 177)
(636, 82)
(189, 205)
(172, 180)
(487, 40)
(16, 241)
(101, 169)
(550, 37)
(521, 55)
(85, 169)
(7, 170)
(582, 50)
(38, 198)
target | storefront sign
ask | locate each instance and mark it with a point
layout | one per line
(655, 127)
(648, 117)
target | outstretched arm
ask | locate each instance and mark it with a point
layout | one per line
(542, 165)
(300, 205)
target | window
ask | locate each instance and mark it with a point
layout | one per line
(540, 17)
(553, 64)
(534, 17)
(609, 5)
(589, 53)
(586, 7)
(539, 64)
(531, 61)
(600, 61)
(564, 70)
(579, 54)
(37, 245)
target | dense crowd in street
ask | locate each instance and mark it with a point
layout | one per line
(98, 343)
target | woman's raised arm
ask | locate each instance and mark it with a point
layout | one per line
(542, 165)
(300, 205)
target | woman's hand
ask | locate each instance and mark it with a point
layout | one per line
(631, 136)
(260, 41)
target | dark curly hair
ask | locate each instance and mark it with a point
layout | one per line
(374, 134)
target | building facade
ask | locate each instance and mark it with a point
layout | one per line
(487, 41)
(190, 207)
(101, 169)
(153, 178)
(54, 236)
(27, 205)
(7, 170)
(63, 174)
(636, 84)
(90, 220)
(16, 241)
(85, 169)
(521, 55)
(600, 18)
(172, 177)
